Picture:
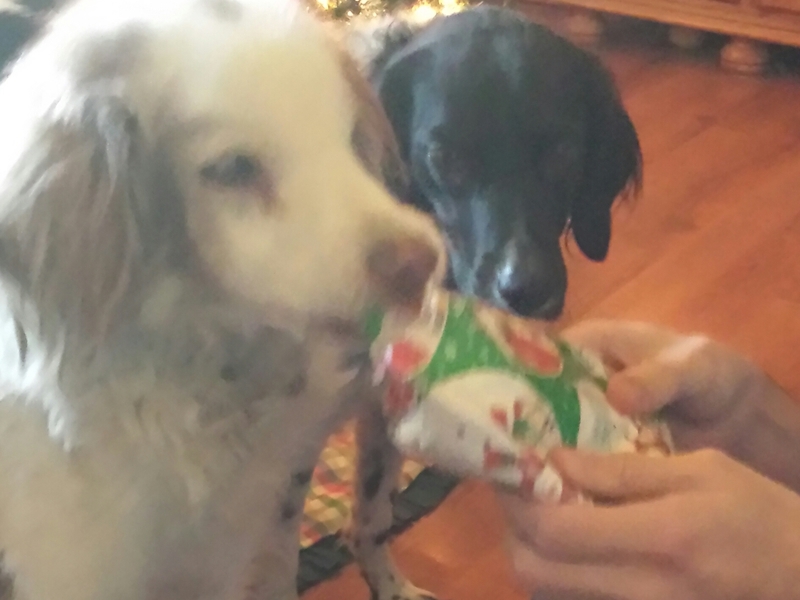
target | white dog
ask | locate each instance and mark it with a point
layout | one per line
(187, 241)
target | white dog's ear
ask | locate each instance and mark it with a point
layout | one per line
(373, 137)
(74, 236)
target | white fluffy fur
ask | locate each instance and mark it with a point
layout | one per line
(128, 467)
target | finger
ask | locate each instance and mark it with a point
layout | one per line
(621, 477)
(621, 343)
(651, 367)
(646, 388)
(696, 378)
(630, 581)
(581, 533)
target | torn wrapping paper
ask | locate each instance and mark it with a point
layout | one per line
(478, 392)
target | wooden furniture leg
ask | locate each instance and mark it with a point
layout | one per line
(686, 38)
(584, 27)
(744, 56)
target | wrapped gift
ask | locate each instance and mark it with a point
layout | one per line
(478, 392)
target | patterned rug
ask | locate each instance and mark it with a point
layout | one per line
(329, 504)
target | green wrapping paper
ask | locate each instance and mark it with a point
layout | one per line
(478, 392)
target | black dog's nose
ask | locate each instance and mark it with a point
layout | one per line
(532, 299)
(532, 287)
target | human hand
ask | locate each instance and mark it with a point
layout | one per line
(709, 395)
(694, 527)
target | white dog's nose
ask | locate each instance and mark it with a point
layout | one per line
(400, 268)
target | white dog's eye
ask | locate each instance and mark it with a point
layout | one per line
(233, 170)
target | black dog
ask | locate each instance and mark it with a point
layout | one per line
(512, 136)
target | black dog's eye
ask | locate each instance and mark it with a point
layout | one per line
(233, 170)
(451, 170)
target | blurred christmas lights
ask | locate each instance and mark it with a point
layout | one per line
(420, 11)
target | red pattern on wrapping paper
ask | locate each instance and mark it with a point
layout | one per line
(400, 396)
(526, 485)
(493, 459)
(517, 409)
(529, 460)
(405, 358)
(530, 465)
(533, 349)
(499, 416)
(402, 360)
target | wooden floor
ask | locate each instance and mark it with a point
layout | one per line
(712, 245)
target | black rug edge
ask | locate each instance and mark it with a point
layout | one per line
(324, 559)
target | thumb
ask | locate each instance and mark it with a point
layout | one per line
(620, 344)
(627, 476)
(646, 388)
(692, 375)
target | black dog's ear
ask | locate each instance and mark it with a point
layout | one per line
(613, 163)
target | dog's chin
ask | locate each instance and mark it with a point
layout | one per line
(336, 320)
(339, 310)
(551, 311)
(343, 318)
(349, 323)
